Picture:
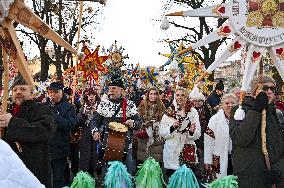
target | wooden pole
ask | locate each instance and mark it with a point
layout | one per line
(263, 125)
(6, 87)
(77, 48)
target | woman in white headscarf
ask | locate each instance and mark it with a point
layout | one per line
(13, 172)
(217, 142)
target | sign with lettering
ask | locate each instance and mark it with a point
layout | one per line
(260, 22)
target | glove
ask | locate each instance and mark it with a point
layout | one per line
(261, 102)
(272, 176)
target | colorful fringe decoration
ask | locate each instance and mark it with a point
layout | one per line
(83, 180)
(225, 182)
(117, 176)
(149, 175)
(183, 178)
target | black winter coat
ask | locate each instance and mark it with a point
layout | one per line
(32, 126)
(65, 118)
(214, 100)
(88, 150)
(248, 160)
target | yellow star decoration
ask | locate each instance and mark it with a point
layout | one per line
(193, 70)
(16, 10)
(181, 59)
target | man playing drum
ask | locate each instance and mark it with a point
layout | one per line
(113, 124)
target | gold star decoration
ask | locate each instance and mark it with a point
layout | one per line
(179, 58)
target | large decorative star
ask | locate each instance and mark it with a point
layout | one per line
(16, 10)
(258, 38)
(91, 63)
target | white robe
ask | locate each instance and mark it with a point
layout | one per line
(174, 142)
(220, 145)
(13, 172)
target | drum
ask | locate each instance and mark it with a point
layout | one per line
(115, 143)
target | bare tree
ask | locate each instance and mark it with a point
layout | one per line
(62, 16)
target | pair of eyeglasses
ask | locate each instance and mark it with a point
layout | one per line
(266, 88)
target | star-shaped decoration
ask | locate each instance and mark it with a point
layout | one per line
(150, 76)
(92, 63)
(257, 26)
(173, 56)
(116, 55)
(16, 10)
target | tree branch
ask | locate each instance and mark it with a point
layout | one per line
(184, 27)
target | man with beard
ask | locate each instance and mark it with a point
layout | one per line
(116, 109)
(59, 145)
(29, 125)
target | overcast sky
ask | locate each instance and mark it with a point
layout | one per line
(134, 25)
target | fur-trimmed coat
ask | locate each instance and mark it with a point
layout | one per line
(153, 145)
(175, 141)
(217, 143)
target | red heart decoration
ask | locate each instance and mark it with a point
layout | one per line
(279, 51)
(221, 10)
(255, 55)
(237, 45)
(226, 29)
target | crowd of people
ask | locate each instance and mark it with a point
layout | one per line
(55, 139)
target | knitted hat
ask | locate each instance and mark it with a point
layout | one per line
(116, 81)
(219, 85)
(19, 80)
(196, 95)
(257, 80)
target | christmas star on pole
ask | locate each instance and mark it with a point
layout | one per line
(91, 64)
(180, 59)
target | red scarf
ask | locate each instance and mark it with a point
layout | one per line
(15, 110)
(124, 105)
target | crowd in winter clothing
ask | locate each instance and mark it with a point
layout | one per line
(173, 126)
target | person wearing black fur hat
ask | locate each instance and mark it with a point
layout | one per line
(29, 125)
(116, 109)
(215, 98)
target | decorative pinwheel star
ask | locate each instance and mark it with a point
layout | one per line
(150, 76)
(91, 63)
(256, 23)
(16, 10)
(173, 56)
